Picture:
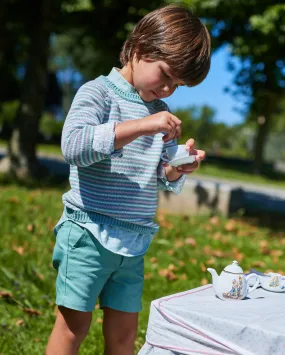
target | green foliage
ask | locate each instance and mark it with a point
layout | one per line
(8, 111)
(176, 261)
(49, 126)
(214, 137)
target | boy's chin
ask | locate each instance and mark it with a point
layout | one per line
(148, 97)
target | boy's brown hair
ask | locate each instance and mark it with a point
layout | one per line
(174, 35)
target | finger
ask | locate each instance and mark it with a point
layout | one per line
(176, 120)
(178, 132)
(188, 167)
(189, 145)
(201, 155)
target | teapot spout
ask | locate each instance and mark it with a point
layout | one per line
(214, 276)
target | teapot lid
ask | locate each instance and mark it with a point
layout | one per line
(234, 268)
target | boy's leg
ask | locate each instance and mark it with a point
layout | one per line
(70, 329)
(120, 331)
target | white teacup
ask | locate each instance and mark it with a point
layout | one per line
(273, 282)
(177, 155)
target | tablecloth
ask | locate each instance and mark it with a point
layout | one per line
(197, 322)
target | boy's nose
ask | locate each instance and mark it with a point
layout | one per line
(166, 90)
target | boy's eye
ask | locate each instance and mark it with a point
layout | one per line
(167, 76)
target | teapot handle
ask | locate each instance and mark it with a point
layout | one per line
(250, 289)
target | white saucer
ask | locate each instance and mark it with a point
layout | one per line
(180, 161)
(273, 289)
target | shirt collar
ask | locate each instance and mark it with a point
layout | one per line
(117, 78)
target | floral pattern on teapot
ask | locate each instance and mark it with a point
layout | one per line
(236, 290)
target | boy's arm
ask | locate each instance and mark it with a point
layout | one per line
(85, 139)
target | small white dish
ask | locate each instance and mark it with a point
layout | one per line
(273, 289)
(181, 161)
(273, 282)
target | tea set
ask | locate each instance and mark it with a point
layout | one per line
(234, 284)
(176, 155)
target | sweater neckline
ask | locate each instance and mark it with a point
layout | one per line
(123, 88)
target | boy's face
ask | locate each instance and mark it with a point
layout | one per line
(153, 79)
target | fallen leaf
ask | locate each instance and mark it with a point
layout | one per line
(191, 241)
(203, 267)
(217, 236)
(99, 320)
(211, 261)
(148, 276)
(20, 250)
(168, 274)
(276, 253)
(207, 250)
(183, 277)
(170, 252)
(178, 244)
(5, 294)
(153, 260)
(204, 282)
(258, 263)
(215, 220)
(181, 263)
(20, 322)
(13, 199)
(231, 225)
(31, 311)
(171, 267)
(30, 228)
(37, 340)
(193, 261)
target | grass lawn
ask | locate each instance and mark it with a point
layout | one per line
(223, 171)
(176, 261)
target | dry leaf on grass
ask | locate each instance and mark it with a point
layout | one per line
(31, 312)
(204, 282)
(191, 241)
(258, 263)
(30, 227)
(168, 274)
(215, 220)
(99, 320)
(231, 225)
(20, 322)
(20, 250)
(5, 294)
(170, 252)
(153, 260)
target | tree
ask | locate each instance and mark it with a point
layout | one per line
(100, 25)
(254, 31)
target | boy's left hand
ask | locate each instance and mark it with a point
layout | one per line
(189, 168)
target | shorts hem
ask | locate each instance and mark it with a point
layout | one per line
(72, 304)
(122, 309)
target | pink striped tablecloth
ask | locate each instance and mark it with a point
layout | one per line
(197, 322)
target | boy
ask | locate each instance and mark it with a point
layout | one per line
(113, 138)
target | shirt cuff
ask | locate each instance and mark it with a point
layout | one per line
(104, 139)
(163, 184)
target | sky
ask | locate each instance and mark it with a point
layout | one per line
(211, 92)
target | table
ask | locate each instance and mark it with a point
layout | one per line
(197, 322)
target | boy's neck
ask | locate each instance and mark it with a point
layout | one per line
(127, 73)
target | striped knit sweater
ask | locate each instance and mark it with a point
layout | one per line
(107, 186)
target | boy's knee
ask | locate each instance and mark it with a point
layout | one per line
(75, 324)
(121, 338)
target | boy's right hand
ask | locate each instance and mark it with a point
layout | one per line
(161, 122)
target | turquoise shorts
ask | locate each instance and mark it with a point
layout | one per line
(86, 271)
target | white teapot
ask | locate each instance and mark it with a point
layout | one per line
(232, 283)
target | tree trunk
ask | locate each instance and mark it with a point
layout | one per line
(21, 160)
